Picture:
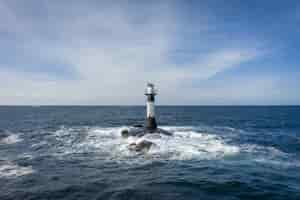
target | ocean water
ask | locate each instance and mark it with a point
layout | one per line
(215, 153)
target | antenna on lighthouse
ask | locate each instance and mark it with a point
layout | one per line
(150, 92)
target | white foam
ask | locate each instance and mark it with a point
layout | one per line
(39, 144)
(184, 144)
(268, 155)
(193, 145)
(11, 139)
(262, 150)
(278, 163)
(187, 143)
(26, 156)
(10, 170)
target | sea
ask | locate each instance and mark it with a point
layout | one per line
(216, 152)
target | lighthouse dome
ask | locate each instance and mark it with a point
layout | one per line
(150, 89)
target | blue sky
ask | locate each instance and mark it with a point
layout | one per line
(104, 52)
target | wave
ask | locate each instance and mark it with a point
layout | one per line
(10, 138)
(10, 170)
(187, 143)
(268, 155)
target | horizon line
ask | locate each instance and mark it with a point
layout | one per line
(142, 105)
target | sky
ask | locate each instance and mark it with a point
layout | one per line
(215, 52)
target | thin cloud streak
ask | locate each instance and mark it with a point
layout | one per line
(110, 53)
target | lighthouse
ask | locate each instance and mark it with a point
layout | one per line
(150, 93)
(150, 126)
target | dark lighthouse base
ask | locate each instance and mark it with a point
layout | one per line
(151, 124)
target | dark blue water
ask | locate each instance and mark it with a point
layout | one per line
(215, 153)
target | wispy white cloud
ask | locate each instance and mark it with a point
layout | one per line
(112, 52)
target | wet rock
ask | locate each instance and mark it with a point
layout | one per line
(163, 132)
(125, 133)
(140, 132)
(138, 126)
(142, 146)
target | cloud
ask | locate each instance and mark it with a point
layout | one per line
(105, 53)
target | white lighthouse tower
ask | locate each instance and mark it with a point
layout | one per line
(150, 120)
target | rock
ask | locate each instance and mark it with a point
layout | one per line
(138, 126)
(142, 146)
(140, 132)
(125, 133)
(132, 146)
(163, 132)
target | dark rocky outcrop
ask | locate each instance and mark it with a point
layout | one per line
(142, 146)
(125, 133)
(140, 132)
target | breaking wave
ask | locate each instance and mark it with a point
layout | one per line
(187, 143)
